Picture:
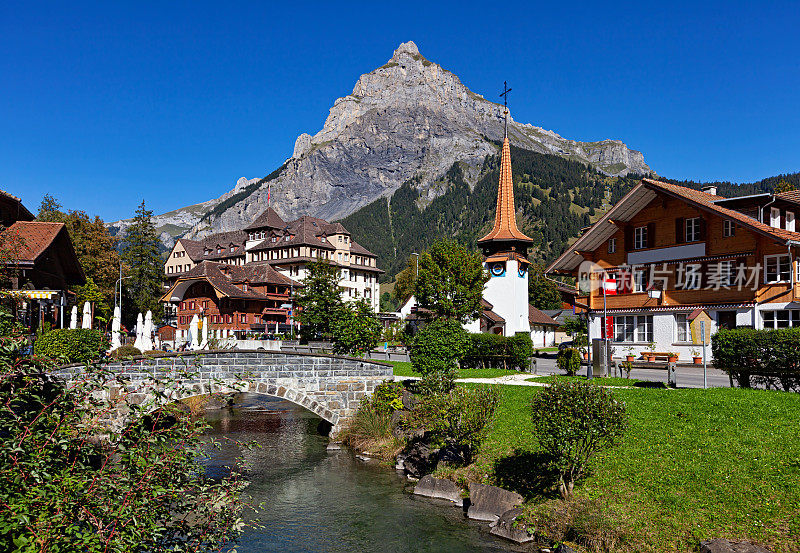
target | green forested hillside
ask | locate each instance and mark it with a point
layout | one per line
(555, 198)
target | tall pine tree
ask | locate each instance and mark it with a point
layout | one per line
(144, 266)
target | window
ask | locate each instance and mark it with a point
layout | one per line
(639, 238)
(182, 306)
(188, 267)
(777, 268)
(682, 326)
(612, 245)
(245, 287)
(728, 229)
(205, 304)
(191, 305)
(243, 318)
(775, 217)
(693, 276)
(232, 248)
(790, 220)
(229, 319)
(639, 281)
(784, 318)
(693, 229)
(633, 328)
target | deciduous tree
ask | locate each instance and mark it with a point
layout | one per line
(320, 300)
(543, 293)
(356, 330)
(450, 282)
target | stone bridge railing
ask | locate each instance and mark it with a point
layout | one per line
(330, 386)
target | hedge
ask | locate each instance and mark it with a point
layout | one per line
(759, 357)
(71, 345)
(496, 351)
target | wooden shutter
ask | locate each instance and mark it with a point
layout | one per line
(702, 228)
(651, 235)
(680, 230)
(628, 238)
(703, 272)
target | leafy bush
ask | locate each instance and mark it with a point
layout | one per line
(356, 329)
(435, 353)
(573, 421)
(764, 357)
(388, 397)
(71, 345)
(496, 351)
(569, 361)
(123, 352)
(70, 482)
(460, 417)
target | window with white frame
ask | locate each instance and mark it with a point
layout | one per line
(777, 268)
(727, 229)
(783, 318)
(775, 217)
(693, 229)
(682, 327)
(640, 280)
(633, 328)
(612, 245)
(639, 238)
(790, 220)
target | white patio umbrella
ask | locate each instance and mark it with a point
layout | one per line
(137, 343)
(87, 316)
(147, 332)
(73, 320)
(116, 324)
(204, 343)
(193, 328)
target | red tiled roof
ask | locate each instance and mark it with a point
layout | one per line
(537, 317)
(224, 277)
(35, 238)
(492, 316)
(706, 201)
(790, 196)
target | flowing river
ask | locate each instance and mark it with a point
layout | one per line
(320, 501)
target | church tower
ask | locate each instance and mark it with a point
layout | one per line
(505, 249)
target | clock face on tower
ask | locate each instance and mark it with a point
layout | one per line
(522, 270)
(498, 269)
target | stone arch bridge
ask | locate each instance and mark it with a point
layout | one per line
(330, 386)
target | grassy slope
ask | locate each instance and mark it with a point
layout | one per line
(695, 464)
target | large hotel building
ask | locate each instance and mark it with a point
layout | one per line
(244, 280)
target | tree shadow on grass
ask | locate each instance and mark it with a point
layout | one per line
(529, 473)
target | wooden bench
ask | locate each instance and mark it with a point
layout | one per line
(657, 354)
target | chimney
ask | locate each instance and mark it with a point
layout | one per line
(710, 189)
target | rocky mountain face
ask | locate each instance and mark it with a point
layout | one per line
(408, 120)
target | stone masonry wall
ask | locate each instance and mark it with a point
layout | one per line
(330, 386)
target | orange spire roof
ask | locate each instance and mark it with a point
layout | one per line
(505, 221)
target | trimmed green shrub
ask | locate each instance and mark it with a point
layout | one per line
(770, 358)
(496, 351)
(569, 361)
(573, 421)
(123, 352)
(436, 351)
(71, 345)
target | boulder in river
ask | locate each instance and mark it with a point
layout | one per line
(439, 488)
(504, 527)
(420, 460)
(490, 502)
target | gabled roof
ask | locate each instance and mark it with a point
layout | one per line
(535, 316)
(223, 278)
(505, 220)
(790, 196)
(195, 249)
(18, 211)
(358, 249)
(638, 198)
(268, 219)
(31, 239)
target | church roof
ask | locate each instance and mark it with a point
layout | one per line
(268, 219)
(505, 222)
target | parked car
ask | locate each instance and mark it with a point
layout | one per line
(565, 345)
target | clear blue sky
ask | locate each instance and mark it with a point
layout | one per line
(103, 105)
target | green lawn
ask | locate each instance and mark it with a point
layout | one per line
(403, 368)
(695, 464)
(611, 381)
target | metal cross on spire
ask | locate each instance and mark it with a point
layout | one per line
(504, 96)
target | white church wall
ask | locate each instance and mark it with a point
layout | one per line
(508, 294)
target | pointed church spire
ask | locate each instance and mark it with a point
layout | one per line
(505, 221)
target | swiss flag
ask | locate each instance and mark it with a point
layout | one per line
(610, 285)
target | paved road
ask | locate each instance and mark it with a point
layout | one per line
(687, 376)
